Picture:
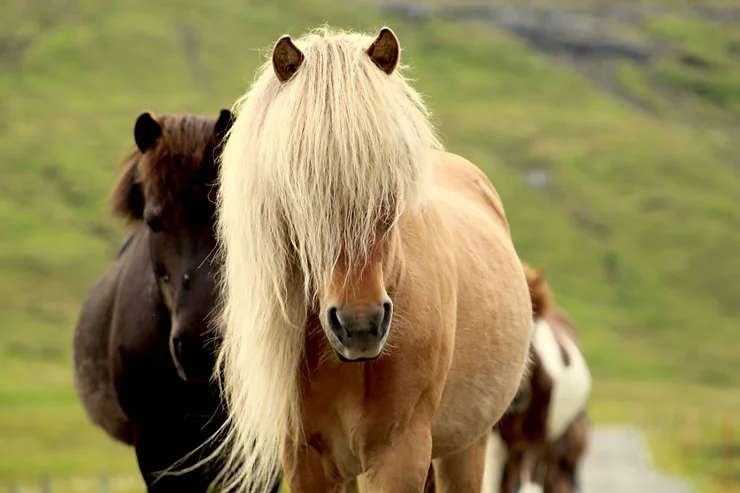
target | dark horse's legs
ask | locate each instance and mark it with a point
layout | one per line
(162, 445)
(160, 450)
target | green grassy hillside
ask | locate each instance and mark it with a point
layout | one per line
(637, 224)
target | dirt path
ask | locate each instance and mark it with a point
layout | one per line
(619, 462)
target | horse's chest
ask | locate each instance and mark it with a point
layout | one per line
(329, 421)
(331, 401)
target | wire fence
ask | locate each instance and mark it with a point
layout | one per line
(102, 484)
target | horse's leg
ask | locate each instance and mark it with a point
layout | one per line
(159, 449)
(429, 485)
(462, 471)
(400, 464)
(308, 472)
(352, 486)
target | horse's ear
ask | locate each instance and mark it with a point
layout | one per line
(127, 196)
(223, 124)
(286, 58)
(146, 131)
(385, 50)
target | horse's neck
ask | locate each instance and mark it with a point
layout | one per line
(394, 261)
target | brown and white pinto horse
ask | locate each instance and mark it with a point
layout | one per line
(339, 212)
(545, 430)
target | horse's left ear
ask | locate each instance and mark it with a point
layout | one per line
(286, 58)
(385, 50)
(223, 124)
(146, 131)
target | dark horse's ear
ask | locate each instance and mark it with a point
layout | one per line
(146, 131)
(127, 196)
(385, 50)
(223, 124)
(286, 58)
(540, 274)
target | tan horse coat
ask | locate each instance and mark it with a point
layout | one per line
(376, 313)
(458, 349)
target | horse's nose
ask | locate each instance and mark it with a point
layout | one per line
(191, 356)
(349, 322)
(360, 330)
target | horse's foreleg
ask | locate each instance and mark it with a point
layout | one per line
(400, 465)
(463, 471)
(308, 472)
(352, 486)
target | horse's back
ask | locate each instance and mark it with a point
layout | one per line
(92, 370)
(459, 181)
(494, 317)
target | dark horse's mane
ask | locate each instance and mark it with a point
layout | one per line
(539, 290)
(177, 170)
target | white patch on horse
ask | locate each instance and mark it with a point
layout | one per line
(496, 455)
(531, 488)
(571, 384)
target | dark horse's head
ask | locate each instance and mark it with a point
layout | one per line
(167, 185)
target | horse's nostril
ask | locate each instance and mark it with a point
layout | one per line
(334, 319)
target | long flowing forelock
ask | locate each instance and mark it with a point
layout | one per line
(349, 144)
(308, 170)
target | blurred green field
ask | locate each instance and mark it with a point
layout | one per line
(637, 225)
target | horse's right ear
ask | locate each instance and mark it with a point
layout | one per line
(223, 124)
(127, 196)
(146, 131)
(286, 58)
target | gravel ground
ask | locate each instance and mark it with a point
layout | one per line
(619, 461)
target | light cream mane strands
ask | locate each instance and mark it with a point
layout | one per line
(313, 160)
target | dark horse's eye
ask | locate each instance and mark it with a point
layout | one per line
(154, 223)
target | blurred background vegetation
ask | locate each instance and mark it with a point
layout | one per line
(611, 132)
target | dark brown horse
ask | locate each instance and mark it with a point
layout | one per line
(143, 350)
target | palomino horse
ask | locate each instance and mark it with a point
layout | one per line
(338, 213)
(142, 352)
(545, 429)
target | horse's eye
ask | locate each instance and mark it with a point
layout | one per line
(155, 223)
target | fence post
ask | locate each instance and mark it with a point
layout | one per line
(104, 484)
(689, 438)
(727, 443)
(15, 489)
(45, 485)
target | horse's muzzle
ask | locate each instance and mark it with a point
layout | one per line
(358, 333)
(193, 361)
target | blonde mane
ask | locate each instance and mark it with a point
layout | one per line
(308, 169)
